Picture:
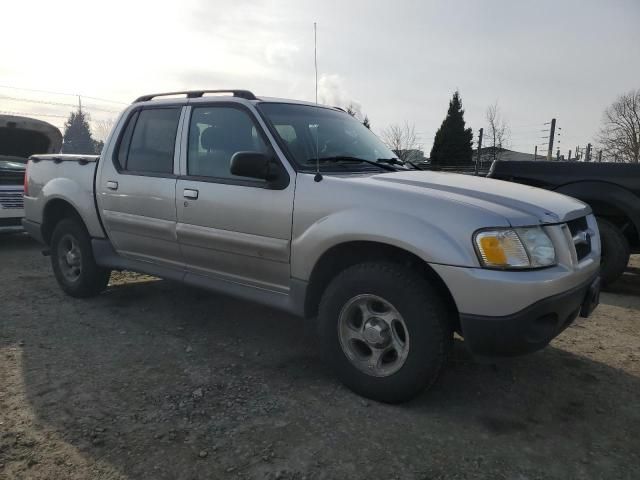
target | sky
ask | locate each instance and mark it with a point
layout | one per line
(398, 61)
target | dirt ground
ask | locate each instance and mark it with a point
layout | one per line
(158, 381)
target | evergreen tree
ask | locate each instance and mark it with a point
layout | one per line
(98, 145)
(77, 135)
(366, 122)
(452, 144)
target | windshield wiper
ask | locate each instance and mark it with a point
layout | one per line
(397, 161)
(346, 158)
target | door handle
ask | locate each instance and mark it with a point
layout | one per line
(190, 193)
(111, 185)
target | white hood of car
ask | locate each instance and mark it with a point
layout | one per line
(521, 205)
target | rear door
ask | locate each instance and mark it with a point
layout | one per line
(137, 189)
(229, 227)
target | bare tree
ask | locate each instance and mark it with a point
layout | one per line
(497, 135)
(102, 128)
(402, 139)
(620, 132)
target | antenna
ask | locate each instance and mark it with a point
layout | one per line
(318, 176)
(315, 55)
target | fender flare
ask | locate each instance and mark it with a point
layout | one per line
(407, 232)
(81, 200)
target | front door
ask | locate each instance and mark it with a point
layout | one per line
(137, 190)
(229, 227)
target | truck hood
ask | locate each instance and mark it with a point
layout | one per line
(521, 205)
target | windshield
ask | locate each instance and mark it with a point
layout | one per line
(309, 132)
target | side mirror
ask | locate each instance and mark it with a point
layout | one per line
(251, 164)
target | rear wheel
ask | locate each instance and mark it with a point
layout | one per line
(615, 251)
(72, 260)
(385, 331)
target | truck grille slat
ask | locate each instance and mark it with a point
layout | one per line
(581, 235)
(11, 199)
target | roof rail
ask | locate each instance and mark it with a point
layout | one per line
(246, 94)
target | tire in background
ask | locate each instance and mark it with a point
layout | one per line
(615, 251)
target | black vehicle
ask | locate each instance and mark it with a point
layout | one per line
(611, 189)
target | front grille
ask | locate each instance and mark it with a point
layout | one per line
(11, 199)
(581, 234)
(11, 178)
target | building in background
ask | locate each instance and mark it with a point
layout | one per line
(489, 154)
(413, 155)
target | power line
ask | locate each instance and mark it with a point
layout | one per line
(62, 93)
(532, 134)
(45, 102)
(31, 114)
(523, 126)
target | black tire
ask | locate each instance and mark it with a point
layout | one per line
(91, 279)
(423, 312)
(615, 252)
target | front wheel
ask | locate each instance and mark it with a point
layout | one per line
(72, 260)
(385, 330)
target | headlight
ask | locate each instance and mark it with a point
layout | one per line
(528, 247)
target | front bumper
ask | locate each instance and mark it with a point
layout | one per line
(9, 222)
(531, 328)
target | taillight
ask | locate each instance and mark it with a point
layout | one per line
(26, 181)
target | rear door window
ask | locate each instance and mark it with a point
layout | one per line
(149, 140)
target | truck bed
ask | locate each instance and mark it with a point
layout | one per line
(70, 177)
(551, 175)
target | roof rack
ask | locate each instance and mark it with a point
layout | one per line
(246, 94)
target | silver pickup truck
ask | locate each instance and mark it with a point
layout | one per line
(300, 207)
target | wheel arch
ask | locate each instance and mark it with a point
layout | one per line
(344, 255)
(54, 211)
(611, 202)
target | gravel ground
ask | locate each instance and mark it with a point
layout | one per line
(158, 381)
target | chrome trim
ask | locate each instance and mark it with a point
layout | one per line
(139, 225)
(269, 248)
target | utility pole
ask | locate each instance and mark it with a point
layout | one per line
(79, 104)
(552, 132)
(587, 157)
(479, 149)
(535, 153)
